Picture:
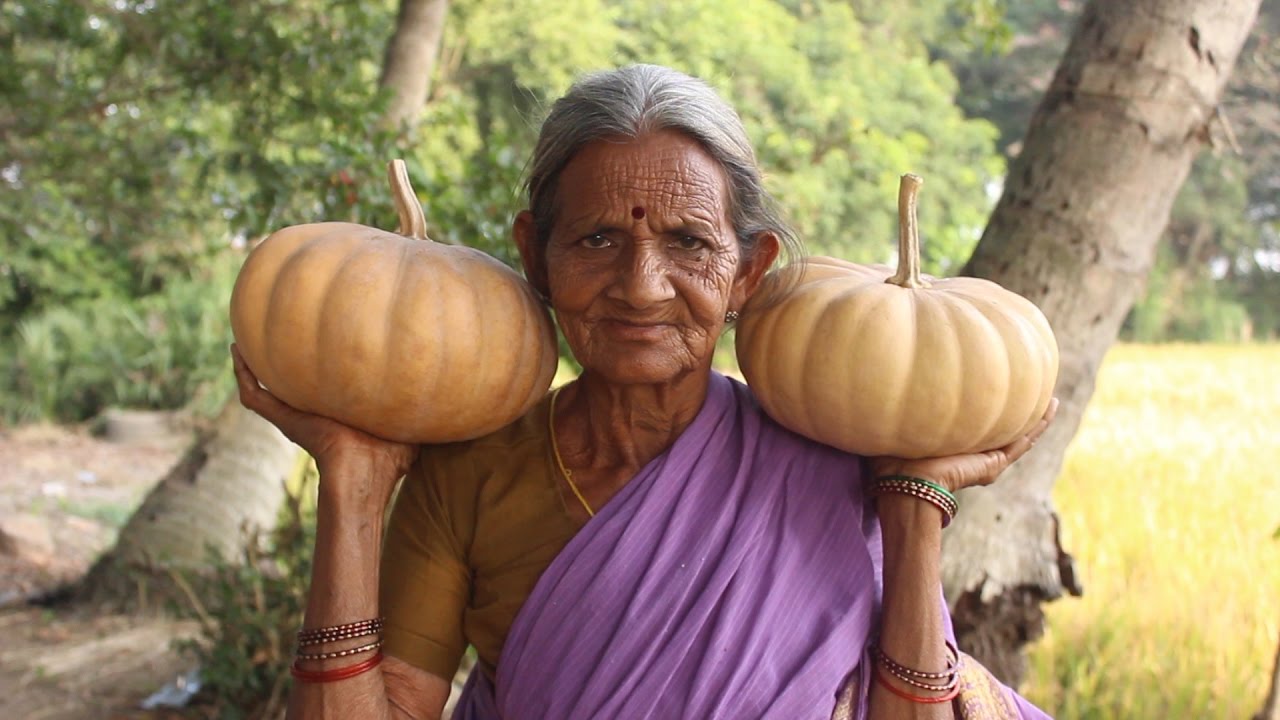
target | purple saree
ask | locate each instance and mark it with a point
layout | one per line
(736, 576)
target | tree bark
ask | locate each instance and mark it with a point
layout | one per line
(231, 480)
(1271, 706)
(410, 60)
(1075, 232)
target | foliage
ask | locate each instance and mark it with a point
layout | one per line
(1003, 82)
(142, 141)
(1218, 273)
(833, 129)
(162, 350)
(249, 609)
(1183, 306)
(140, 136)
(143, 138)
(1167, 500)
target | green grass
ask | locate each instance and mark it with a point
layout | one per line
(1170, 497)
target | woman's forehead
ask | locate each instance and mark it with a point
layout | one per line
(662, 173)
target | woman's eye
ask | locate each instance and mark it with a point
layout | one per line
(596, 241)
(689, 242)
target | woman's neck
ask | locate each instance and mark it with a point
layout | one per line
(604, 427)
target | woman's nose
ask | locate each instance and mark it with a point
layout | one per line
(643, 277)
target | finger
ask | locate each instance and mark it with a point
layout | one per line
(962, 471)
(1052, 411)
(1045, 421)
(244, 376)
(257, 398)
(1009, 454)
(995, 461)
(1020, 446)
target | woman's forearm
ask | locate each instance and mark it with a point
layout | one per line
(912, 629)
(344, 589)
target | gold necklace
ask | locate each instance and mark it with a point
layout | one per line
(555, 448)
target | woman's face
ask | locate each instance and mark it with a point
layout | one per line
(642, 263)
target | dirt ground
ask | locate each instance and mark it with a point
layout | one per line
(63, 494)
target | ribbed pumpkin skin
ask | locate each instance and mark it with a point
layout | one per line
(838, 355)
(405, 338)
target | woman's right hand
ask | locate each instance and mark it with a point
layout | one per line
(353, 457)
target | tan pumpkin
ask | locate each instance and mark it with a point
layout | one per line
(405, 338)
(881, 363)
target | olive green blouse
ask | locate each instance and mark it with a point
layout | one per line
(473, 527)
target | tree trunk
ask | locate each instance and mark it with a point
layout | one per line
(411, 58)
(1075, 232)
(232, 479)
(1271, 706)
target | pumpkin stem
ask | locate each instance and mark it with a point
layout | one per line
(908, 275)
(412, 222)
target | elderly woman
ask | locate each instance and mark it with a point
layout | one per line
(644, 543)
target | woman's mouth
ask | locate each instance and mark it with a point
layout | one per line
(635, 330)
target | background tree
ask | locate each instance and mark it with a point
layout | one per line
(410, 60)
(234, 477)
(1217, 271)
(1075, 231)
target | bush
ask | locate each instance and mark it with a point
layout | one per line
(249, 610)
(1199, 311)
(159, 351)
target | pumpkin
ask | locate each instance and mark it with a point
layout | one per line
(881, 363)
(389, 332)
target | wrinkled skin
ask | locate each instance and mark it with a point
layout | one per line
(642, 263)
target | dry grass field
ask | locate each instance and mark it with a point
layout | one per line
(1170, 500)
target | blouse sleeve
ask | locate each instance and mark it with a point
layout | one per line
(425, 582)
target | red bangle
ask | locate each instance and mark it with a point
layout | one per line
(339, 673)
(884, 682)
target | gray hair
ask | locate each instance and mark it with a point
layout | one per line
(638, 99)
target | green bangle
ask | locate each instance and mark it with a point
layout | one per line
(921, 481)
(911, 487)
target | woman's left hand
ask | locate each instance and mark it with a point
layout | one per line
(957, 472)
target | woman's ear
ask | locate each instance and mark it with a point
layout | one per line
(532, 256)
(753, 270)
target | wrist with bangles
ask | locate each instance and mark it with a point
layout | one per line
(920, 489)
(365, 656)
(946, 682)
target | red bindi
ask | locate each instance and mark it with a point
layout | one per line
(637, 212)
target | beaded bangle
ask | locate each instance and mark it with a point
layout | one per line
(944, 687)
(317, 636)
(947, 513)
(951, 681)
(899, 670)
(921, 481)
(335, 637)
(342, 673)
(339, 653)
(923, 486)
(943, 502)
(884, 682)
(921, 490)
